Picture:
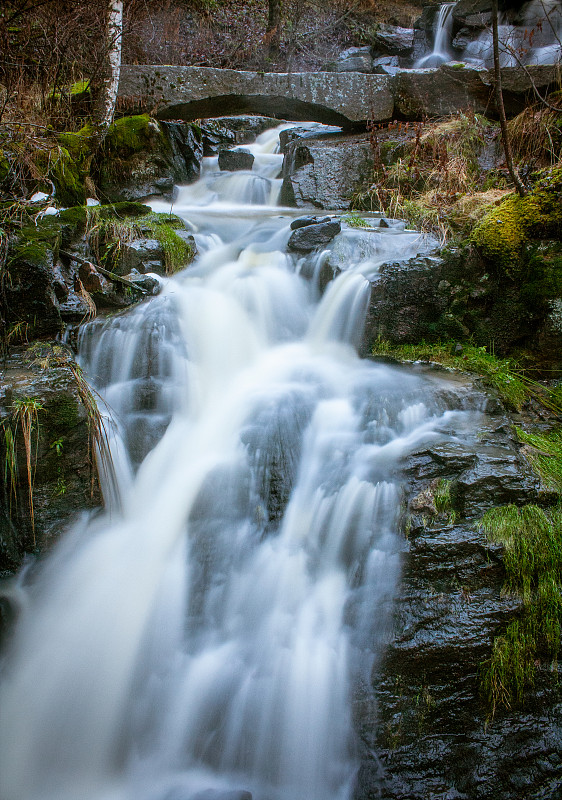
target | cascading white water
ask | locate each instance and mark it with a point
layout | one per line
(202, 638)
(441, 40)
(537, 39)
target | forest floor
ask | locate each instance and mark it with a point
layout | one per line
(231, 33)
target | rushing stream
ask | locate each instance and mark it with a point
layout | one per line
(204, 635)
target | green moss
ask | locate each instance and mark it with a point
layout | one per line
(62, 412)
(124, 209)
(501, 235)
(67, 176)
(78, 143)
(32, 252)
(177, 252)
(532, 539)
(74, 216)
(130, 135)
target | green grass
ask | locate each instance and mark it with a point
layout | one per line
(503, 375)
(532, 538)
(355, 220)
(544, 451)
(107, 234)
(442, 496)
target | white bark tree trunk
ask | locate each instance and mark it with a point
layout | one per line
(110, 81)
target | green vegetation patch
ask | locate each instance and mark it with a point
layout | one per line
(66, 173)
(501, 235)
(544, 451)
(107, 234)
(130, 135)
(501, 374)
(532, 538)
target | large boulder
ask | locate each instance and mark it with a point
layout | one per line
(234, 160)
(38, 282)
(327, 171)
(309, 237)
(457, 296)
(355, 59)
(392, 39)
(143, 157)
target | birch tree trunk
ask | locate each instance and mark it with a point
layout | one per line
(500, 104)
(110, 79)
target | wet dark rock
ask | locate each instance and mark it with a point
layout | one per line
(303, 240)
(478, 13)
(303, 222)
(453, 297)
(441, 460)
(325, 171)
(386, 65)
(290, 134)
(392, 39)
(462, 39)
(144, 255)
(430, 734)
(499, 473)
(63, 483)
(143, 157)
(147, 282)
(31, 292)
(233, 160)
(74, 309)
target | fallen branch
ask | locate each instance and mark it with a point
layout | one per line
(105, 272)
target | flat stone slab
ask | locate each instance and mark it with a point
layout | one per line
(170, 92)
(347, 99)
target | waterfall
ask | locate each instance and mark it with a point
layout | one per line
(441, 40)
(204, 636)
(537, 39)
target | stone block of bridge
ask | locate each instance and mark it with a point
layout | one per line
(170, 92)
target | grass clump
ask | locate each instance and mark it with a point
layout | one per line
(355, 220)
(108, 232)
(24, 417)
(422, 172)
(501, 374)
(442, 496)
(544, 451)
(532, 538)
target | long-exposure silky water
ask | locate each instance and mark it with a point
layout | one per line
(204, 636)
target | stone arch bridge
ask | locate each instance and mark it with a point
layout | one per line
(346, 99)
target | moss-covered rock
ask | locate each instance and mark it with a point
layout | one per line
(142, 157)
(41, 379)
(505, 232)
(66, 173)
(127, 238)
(34, 285)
